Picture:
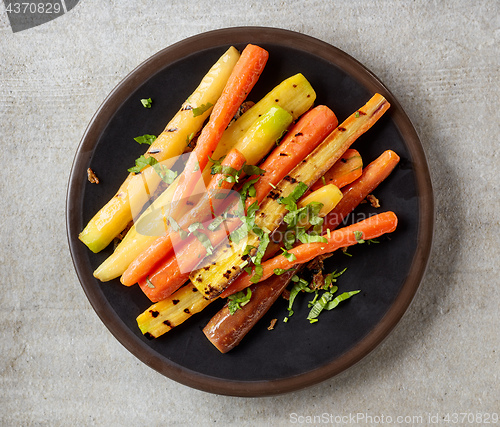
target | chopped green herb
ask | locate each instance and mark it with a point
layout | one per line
(248, 189)
(149, 283)
(204, 240)
(215, 224)
(328, 233)
(168, 176)
(280, 271)
(238, 300)
(332, 277)
(147, 102)
(344, 251)
(357, 114)
(145, 139)
(372, 241)
(359, 237)
(342, 297)
(175, 226)
(253, 170)
(198, 111)
(290, 201)
(141, 163)
(323, 180)
(290, 257)
(195, 226)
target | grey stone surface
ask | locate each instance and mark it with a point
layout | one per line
(59, 365)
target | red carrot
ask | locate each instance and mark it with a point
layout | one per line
(245, 74)
(304, 137)
(345, 170)
(369, 228)
(146, 261)
(226, 330)
(356, 192)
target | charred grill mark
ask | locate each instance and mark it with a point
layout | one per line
(186, 310)
(166, 322)
(294, 85)
(299, 134)
(175, 302)
(273, 194)
(343, 160)
(172, 130)
(195, 289)
(154, 313)
(199, 279)
(290, 179)
(149, 336)
(361, 113)
(155, 151)
(227, 274)
(341, 129)
(206, 268)
(283, 154)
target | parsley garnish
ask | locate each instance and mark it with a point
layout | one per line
(290, 257)
(290, 201)
(359, 237)
(149, 283)
(168, 176)
(357, 114)
(141, 163)
(198, 111)
(238, 300)
(327, 302)
(147, 102)
(145, 139)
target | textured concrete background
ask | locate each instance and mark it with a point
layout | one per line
(59, 365)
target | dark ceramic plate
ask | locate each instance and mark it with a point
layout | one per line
(296, 354)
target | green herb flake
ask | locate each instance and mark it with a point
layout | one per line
(167, 176)
(359, 237)
(238, 300)
(290, 201)
(332, 277)
(323, 180)
(280, 271)
(149, 283)
(147, 103)
(198, 111)
(253, 170)
(290, 257)
(357, 114)
(145, 139)
(141, 163)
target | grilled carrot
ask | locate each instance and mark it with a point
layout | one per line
(370, 228)
(245, 74)
(303, 138)
(226, 330)
(353, 194)
(347, 169)
(146, 261)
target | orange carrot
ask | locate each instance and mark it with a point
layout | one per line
(370, 228)
(168, 276)
(355, 193)
(245, 74)
(304, 137)
(345, 170)
(145, 262)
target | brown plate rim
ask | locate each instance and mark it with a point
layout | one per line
(256, 35)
